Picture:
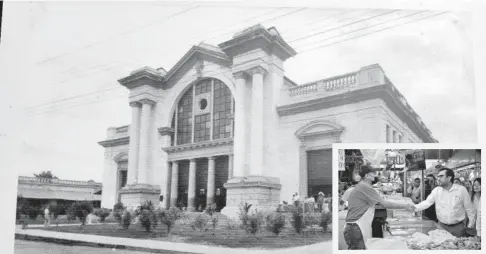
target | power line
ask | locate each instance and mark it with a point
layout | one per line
(322, 32)
(108, 89)
(122, 33)
(367, 27)
(352, 38)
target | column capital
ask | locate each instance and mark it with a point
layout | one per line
(257, 70)
(164, 131)
(134, 104)
(147, 101)
(241, 75)
(175, 162)
(192, 160)
(211, 158)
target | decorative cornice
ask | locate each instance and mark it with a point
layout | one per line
(199, 145)
(258, 37)
(241, 75)
(143, 76)
(114, 142)
(252, 184)
(164, 131)
(147, 101)
(140, 188)
(134, 104)
(384, 92)
(257, 70)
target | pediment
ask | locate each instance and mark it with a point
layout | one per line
(319, 128)
(195, 58)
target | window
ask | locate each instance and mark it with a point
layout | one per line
(195, 105)
(388, 133)
(123, 178)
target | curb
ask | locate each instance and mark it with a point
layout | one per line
(27, 237)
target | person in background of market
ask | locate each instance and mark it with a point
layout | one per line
(361, 210)
(296, 199)
(476, 199)
(47, 217)
(457, 181)
(452, 204)
(320, 201)
(430, 183)
(414, 191)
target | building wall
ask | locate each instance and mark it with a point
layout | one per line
(110, 175)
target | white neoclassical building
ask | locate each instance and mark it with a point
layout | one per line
(225, 123)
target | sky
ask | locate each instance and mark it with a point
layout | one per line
(54, 53)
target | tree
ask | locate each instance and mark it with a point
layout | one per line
(46, 174)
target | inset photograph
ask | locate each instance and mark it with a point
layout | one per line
(399, 199)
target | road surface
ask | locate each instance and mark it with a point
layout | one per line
(35, 247)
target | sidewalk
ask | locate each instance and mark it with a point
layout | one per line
(152, 245)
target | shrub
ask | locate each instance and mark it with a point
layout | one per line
(297, 219)
(126, 219)
(200, 222)
(211, 210)
(243, 213)
(146, 216)
(169, 217)
(118, 209)
(326, 218)
(55, 209)
(254, 223)
(275, 222)
(102, 213)
(311, 219)
(80, 210)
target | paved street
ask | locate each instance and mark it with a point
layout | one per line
(34, 247)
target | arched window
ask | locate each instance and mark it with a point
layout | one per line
(204, 112)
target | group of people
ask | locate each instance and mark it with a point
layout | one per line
(457, 211)
(315, 203)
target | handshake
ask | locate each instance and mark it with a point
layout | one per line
(410, 208)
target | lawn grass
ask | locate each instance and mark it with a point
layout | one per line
(235, 238)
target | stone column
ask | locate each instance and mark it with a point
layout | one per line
(144, 141)
(134, 144)
(303, 177)
(191, 192)
(240, 126)
(174, 184)
(211, 183)
(167, 192)
(230, 166)
(257, 116)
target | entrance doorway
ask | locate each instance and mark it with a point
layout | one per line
(319, 172)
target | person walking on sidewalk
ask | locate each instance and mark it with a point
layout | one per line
(47, 217)
(361, 210)
(453, 204)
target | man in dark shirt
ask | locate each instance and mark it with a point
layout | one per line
(361, 209)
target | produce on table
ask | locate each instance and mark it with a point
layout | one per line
(442, 240)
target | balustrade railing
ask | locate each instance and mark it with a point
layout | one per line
(57, 181)
(334, 83)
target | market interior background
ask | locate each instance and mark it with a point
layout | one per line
(397, 170)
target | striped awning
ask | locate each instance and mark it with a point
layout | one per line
(64, 195)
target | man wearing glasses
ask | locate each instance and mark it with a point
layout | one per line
(452, 204)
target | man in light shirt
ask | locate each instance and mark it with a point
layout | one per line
(452, 204)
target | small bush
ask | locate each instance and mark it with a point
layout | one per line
(211, 210)
(254, 223)
(169, 217)
(275, 222)
(297, 219)
(244, 209)
(200, 222)
(312, 219)
(102, 213)
(126, 219)
(80, 210)
(146, 216)
(326, 218)
(118, 209)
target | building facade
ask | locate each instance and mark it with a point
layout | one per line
(226, 124)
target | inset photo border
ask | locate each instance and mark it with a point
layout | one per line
(410, 180)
